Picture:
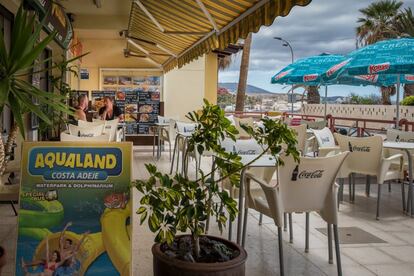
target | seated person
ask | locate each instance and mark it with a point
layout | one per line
(80, 112)
(110, 111)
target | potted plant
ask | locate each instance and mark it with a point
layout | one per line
(51, 132)
(16, 67)
(172, 204)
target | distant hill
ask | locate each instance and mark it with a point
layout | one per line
(251, 89)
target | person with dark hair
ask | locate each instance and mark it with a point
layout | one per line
(110, 111)
(81, 108)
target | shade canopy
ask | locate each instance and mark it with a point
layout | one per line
(388, 57)
(174, 32)
(310, 71)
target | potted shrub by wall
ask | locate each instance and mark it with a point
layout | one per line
(16, 68)
(173, 204)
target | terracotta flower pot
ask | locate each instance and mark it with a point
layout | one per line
(167, 266)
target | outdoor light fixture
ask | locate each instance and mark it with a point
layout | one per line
(285, 43)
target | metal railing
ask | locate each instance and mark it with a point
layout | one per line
(357, 126)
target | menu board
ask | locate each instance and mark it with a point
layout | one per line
(98, 99)
(137, 96)
(148, 110)
(140, 108)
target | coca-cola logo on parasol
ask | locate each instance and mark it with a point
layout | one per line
(281, 75)
(310, 77)
(306, 174)
(376, 68)
(336, 67)
(370, 78)
(409, 77)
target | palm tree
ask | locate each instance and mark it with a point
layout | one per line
(224, 62)
(313, 94)
(405, 23)
(405, 26)
(244, 69)
(378, 23)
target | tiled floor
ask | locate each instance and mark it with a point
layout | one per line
(395, 257)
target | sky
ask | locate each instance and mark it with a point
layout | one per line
(324, 26)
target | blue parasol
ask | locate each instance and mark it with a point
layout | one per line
(392, 60)
(310, 71)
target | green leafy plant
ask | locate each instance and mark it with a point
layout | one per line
(176, 203)
(61, 87)
(16, 67)
(371, 99)
(408, 100)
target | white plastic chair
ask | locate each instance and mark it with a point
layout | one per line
(307, 186)
(65, 137)
(164, 132)
(366, 157)
(314, 124)
(325, 140)
(301, 138)
(180, 146)
(248, 121)
(400, 136)
(111, 127)
(88, 131)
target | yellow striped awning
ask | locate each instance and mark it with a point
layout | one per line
(175, 32)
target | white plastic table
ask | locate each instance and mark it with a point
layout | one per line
(265, 160)
(406, 147)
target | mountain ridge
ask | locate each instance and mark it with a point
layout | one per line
(251, 89)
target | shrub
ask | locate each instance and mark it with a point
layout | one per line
(408, 100)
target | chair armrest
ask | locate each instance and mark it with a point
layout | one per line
(310, 139)
(262, 183)
(119, 135)
(386, 164)
(393, 157)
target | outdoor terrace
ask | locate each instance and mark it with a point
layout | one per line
(388, 251)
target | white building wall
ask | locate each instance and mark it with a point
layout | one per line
(184, 89)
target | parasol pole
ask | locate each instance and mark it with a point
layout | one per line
(326, 95)
(398, 102)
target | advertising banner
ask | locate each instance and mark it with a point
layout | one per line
(75, 209)
(55, 20)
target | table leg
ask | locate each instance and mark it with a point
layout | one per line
(158, 144)
(153, 144)
(410, 200)
(173, 159)
(240, 214)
